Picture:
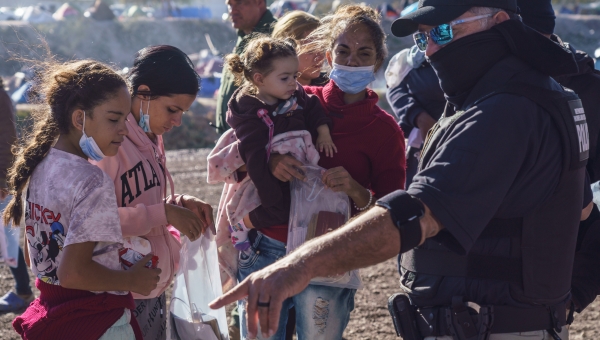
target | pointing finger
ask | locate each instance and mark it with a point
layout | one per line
(237, 293)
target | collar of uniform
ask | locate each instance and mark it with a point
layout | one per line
(497, 76)
(263, 25)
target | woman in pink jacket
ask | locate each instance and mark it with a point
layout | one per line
(164, 85)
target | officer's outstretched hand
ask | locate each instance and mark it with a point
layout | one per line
(266, 290)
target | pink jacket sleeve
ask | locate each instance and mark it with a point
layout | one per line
(224, 160)
(138, 220)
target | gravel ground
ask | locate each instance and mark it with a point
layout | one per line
(369, 320)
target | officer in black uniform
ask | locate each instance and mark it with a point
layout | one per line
(495, 207)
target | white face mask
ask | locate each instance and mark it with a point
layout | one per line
(88, 145)
(144, 122)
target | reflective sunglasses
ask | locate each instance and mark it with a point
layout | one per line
(442, 34)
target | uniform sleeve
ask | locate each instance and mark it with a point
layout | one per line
(389, 165)
(254, 136)
(226, 90)
(314, 111)
(94, 217)
(466, 180)
(403, 103)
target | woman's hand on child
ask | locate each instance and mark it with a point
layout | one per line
(202, 209)
(184, 220)
(325, 143)
(143, 280)
(285, 167)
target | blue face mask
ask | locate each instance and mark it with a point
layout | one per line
(88, 145)
(352, 80)
(144, 122)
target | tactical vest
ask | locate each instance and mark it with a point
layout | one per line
(543, 241)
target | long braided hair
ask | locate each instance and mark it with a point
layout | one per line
(63, 88)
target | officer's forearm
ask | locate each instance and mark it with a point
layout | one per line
(367, 240)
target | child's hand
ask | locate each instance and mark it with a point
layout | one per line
(143, 280)
(185, 220)
(324, 142)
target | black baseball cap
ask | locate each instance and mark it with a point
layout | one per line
(437, 12)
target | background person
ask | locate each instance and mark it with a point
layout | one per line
(23, 295)
(247, 16)
(298, 25)
(164, 85)
(417, 100)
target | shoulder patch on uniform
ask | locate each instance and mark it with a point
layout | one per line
(582, 128)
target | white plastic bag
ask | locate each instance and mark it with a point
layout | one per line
(9, 239)
(310, 200)
(9, 243)
(197, 283)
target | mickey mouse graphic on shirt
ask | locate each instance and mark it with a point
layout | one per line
(45, 249)
(46, 238)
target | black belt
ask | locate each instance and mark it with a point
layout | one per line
(506, 319)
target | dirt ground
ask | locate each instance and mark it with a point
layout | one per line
(369, 320)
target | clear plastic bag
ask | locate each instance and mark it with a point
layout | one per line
(9, 239)
(315, 210)
(197, 283)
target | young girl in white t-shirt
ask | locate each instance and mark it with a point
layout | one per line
(73, 233)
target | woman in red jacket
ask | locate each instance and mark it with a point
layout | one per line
(370, 163)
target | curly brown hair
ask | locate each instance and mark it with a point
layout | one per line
(345, 18)
(64, 88)
(258, 57)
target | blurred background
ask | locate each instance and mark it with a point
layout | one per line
(112, 31)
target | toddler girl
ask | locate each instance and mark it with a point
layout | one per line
(270, 112)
